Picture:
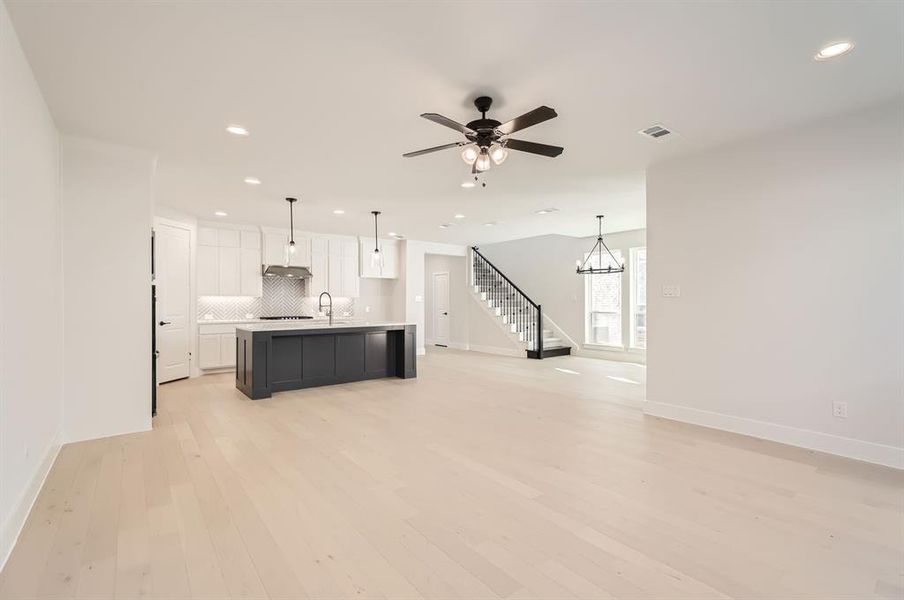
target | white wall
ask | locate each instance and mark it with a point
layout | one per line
(31, 329)
(789, 252)
(107, 215)
(376, 295)
(544, 268)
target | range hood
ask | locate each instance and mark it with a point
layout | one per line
(283, 271)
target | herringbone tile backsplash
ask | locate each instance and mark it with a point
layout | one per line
(281, 297)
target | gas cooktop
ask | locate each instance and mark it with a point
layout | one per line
(289, 318)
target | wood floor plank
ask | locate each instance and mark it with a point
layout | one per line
(486, 477)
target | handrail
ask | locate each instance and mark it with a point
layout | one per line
(501, 274)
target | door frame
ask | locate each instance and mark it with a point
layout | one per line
(192, 227)
(433, 275)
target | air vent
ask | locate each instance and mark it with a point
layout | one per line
(656, 131)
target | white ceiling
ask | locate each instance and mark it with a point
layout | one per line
(332, 92)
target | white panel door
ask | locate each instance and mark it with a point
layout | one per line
(229, 272)
(208, 270)
(227, 349)
(441, 309)
(250, 273)
(209, 351)
(173, 268)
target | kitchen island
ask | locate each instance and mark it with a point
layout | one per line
(278, 357)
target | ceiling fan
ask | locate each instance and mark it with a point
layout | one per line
(486, 140)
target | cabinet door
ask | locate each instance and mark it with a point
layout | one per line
(319, 268)
(208, 271)
(348, 285)
(275, 248)
(208, 351)
(250, 273)
(390, 260)
(251, 240)
(227, 349)
(230, 272)
(207, 236)
(302, 255)
(229, 238)
(334, 267)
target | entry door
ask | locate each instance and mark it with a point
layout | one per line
(441, 309)
(173, 269)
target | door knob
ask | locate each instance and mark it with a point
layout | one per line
(162, 323)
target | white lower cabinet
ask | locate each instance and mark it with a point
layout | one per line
(216, 346)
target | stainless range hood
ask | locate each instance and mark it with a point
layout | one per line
(283, 271)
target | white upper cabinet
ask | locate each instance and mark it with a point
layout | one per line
(389, 269)
(276, 248)
(302, 255)
(319, 261)
(228, 262)
(334, 266)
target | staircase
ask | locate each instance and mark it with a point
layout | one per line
(519, 314)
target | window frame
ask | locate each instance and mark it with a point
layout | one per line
(632, 318)
(588, 294)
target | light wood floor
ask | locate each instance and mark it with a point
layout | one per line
(486, 477)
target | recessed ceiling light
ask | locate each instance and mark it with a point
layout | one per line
(833, 50)
(338, 211)
(468, 184)
(546, 211)
(252, 181)
(392, 234)
(490, 224)
(220, 213)
(459, 216)
(237, 130)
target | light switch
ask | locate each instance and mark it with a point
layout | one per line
(418, 298)
(671, 291)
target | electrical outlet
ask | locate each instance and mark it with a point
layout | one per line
(671, 291)
(839, 409)
(367, 309)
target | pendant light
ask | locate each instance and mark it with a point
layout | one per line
(291, 202)
(598, 248)
(376, 257)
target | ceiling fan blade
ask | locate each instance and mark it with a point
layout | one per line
(447, 122)
(534, 148)
(538, 115)
(434, 149)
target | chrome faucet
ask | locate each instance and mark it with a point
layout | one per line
(320, 308)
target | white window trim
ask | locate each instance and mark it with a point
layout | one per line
(620, 347)
(631, 283)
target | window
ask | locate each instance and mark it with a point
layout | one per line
(604, 302)
(638, 270)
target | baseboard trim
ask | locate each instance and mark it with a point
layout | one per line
(12, 528)
(879, 454)
(496, 350)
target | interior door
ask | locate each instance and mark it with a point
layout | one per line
(441, 309)
(173, 270)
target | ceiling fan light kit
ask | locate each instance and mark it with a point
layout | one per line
(486, 140)
(598, 247)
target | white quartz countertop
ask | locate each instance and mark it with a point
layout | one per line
(258, 320)
(293, 325)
